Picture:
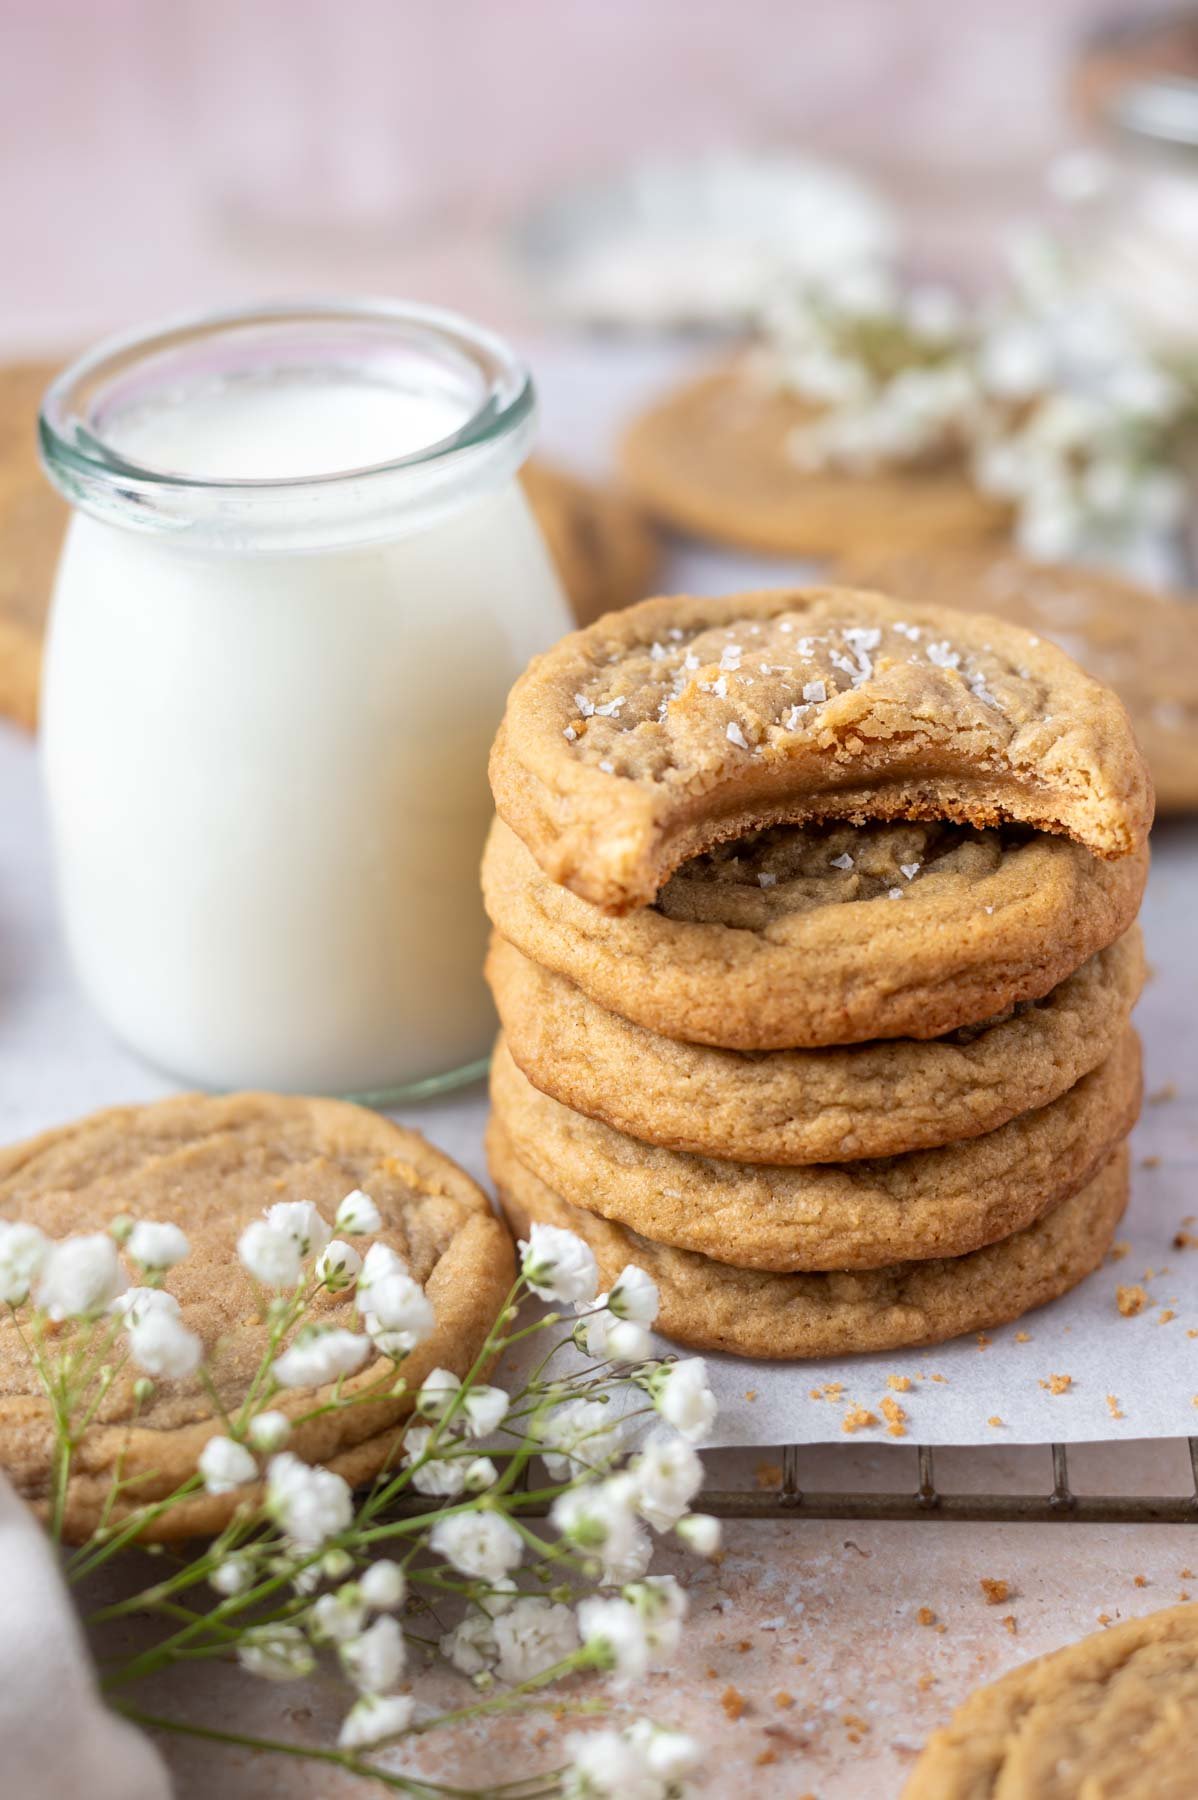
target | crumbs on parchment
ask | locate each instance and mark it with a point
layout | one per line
(1057, 1384)
(995, 1591)
(1131, 1300)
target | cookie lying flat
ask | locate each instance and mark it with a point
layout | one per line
(712, 458)
(809, 1106)
(802, 937)
(1112, 1716)
(709, 1306)
(1143, 644)
(604, 550)
(666, 729)
(211, 1165)
(32, 519)
(857, 1215)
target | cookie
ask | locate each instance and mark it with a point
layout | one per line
(712, 458)
(211, 1165)
(661, 731)
(32, 520)
(799, 937)
(1143, 644)
(857, 1215)
(809, 1106)
(710, 1306)
(604, 549)
(1113, 1715)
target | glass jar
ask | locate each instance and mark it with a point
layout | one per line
(300, 579)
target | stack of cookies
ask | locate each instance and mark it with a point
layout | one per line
(815, 953)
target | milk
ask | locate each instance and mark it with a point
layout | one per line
(267, 769)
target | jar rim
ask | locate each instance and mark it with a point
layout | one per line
(496, 391)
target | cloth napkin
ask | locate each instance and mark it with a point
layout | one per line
(58, 1741)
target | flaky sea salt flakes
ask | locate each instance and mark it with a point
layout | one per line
(989, 909)
(608, 768)
(731, 657)
(862, 637)
(569, 734)
(843, 861)
(736, 736)
(910, 870)
(675, 634)
(911, 632)
(766, 880)
(718, 687)
(791, 721)
(943, 655)
(585, 706)
(611, 708)
(657, 652)
(690, 660)
(815, 693)
(894, 894)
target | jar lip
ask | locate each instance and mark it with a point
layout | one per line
(77, 456)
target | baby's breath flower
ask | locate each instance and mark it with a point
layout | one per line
(609, 1339)
(484, 1545)
(600, 1519)
(309, 1504)
(440, 1475)
(374, 1660)
(668, 1475)
(671, 1755)
(642, 1626)
(471, 1646)
(358, 1216)
(335, 1618)
(23, 1252)
(484, 1409)
(225, 1464)
(337, 1266)
(700, 1532)
(137, 1303)
(580, 1434)
(481, 1474)
(634, 1296)
(80, 1277)
(156, 1246)
(531, 1636)
(558, 1265)
(271, 1255)
(162, 1345)
(383, 1585)
(437, 1394)
(396, 1311)
(642, 1763)
(374, 1719)
(320, 1354)
(303, 1224)
(276, 1652)
(233, 1576)
(269, 1432)
(683, 1397)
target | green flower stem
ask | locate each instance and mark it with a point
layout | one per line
(550, 1784)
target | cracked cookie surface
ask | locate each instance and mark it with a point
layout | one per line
(211, 1165)
(659, 732)
(1112, 1717)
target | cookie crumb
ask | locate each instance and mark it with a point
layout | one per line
(1118, 1250)
(783, 1700)
(1184, 1240)
(1023, 1337)
(895, 1417)
(925, 1682)
(1151, 1162)
(1009, 1622)
(901, 1384)
(750, 1393)
(1112, 1406)
(983, 1341)
(994, 1420)
(1166, 1313)
(768, 1475)
(858, 1418)
(1163, 1094)
(1140, 1581)
(1057, 1384)
(1130, 1300)
(995, 1591)
(1104, 1618)
(926, 1616)
(733, 1702)
(765, 1757)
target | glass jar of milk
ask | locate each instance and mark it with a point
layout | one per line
(300, 579)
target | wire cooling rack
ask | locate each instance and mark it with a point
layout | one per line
(788, 1500)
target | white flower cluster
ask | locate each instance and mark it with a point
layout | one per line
(644, 1762)
(1056, 399)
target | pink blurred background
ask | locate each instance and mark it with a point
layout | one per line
(161, 154)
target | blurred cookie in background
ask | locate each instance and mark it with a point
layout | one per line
(715, 458)
(605, 551)
(1142, 643)
(32, 521)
